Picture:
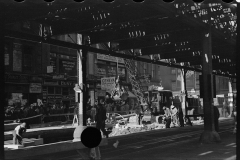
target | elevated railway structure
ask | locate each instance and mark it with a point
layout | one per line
(182, 34)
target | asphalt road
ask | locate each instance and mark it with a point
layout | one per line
(174, 143)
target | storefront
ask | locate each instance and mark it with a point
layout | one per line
(22, 89)
(59, 92)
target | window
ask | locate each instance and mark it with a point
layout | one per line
(65, 91)
(27, 58)
(71, 91)
(153, 71)
(173, 71)
(50, 90)
(58, 90)
(144, 68)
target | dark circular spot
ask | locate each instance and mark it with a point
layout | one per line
(91, 137)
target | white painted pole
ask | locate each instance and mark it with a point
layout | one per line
(183, 95)
(80, 80)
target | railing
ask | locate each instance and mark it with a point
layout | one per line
(23, 119)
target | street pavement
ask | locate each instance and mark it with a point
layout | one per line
(175, 143)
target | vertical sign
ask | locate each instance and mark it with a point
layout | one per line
(6, 54)
(17, 57)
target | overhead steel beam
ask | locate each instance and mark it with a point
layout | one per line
(37, 39)
(167, 8)
(145, 29)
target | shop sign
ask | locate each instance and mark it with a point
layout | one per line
(51, 97)
(58, 97)
(108, 83)
(47, 82)
(67, 83)
(6, 55)
(17, 57)
(109, 58)
(53, 65)
(101, 71)
(36, 79)
(66, 66)
(17, 78)
(98, 85)
(101, 93)
(59, 77)
(65, 97)
(112, 71)
(35, 88)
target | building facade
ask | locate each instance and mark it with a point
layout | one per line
(42, 71)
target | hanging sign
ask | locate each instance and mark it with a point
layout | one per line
(108, 83)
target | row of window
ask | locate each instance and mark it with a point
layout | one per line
(59, 90)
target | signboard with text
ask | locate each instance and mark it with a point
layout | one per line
(35, 88)
(101, 71)
(109, 58)
(108, 83)
(17, 57)
(67, 66)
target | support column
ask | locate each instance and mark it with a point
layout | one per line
(230, 97)
(81, 73)
(182, 91)
(2, 73)
(209, 135)
(85, 88)
(185, 91)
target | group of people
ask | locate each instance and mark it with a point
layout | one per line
(173, 115)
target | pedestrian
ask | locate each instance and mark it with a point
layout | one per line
(101, 117)
(235, 119)
(18, 133)
(167, 116)
(216, 117)
(180, 116)
(174, 115)
(75, 117)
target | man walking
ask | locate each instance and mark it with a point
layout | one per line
(18, 132)
(101, 117)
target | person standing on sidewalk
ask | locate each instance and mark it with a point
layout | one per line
(18, 133)
(216, 117)
(75, 118)
(101, 117)
(167, 116)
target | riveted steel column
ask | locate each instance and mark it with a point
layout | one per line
(209, 135)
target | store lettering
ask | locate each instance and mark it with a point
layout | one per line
(66, 83)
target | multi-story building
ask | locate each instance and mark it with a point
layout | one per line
(42, 71)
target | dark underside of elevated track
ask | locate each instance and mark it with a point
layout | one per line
(169, 34)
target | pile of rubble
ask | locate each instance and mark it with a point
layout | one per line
(128, 129)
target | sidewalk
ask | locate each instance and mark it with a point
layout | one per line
(191, 150)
